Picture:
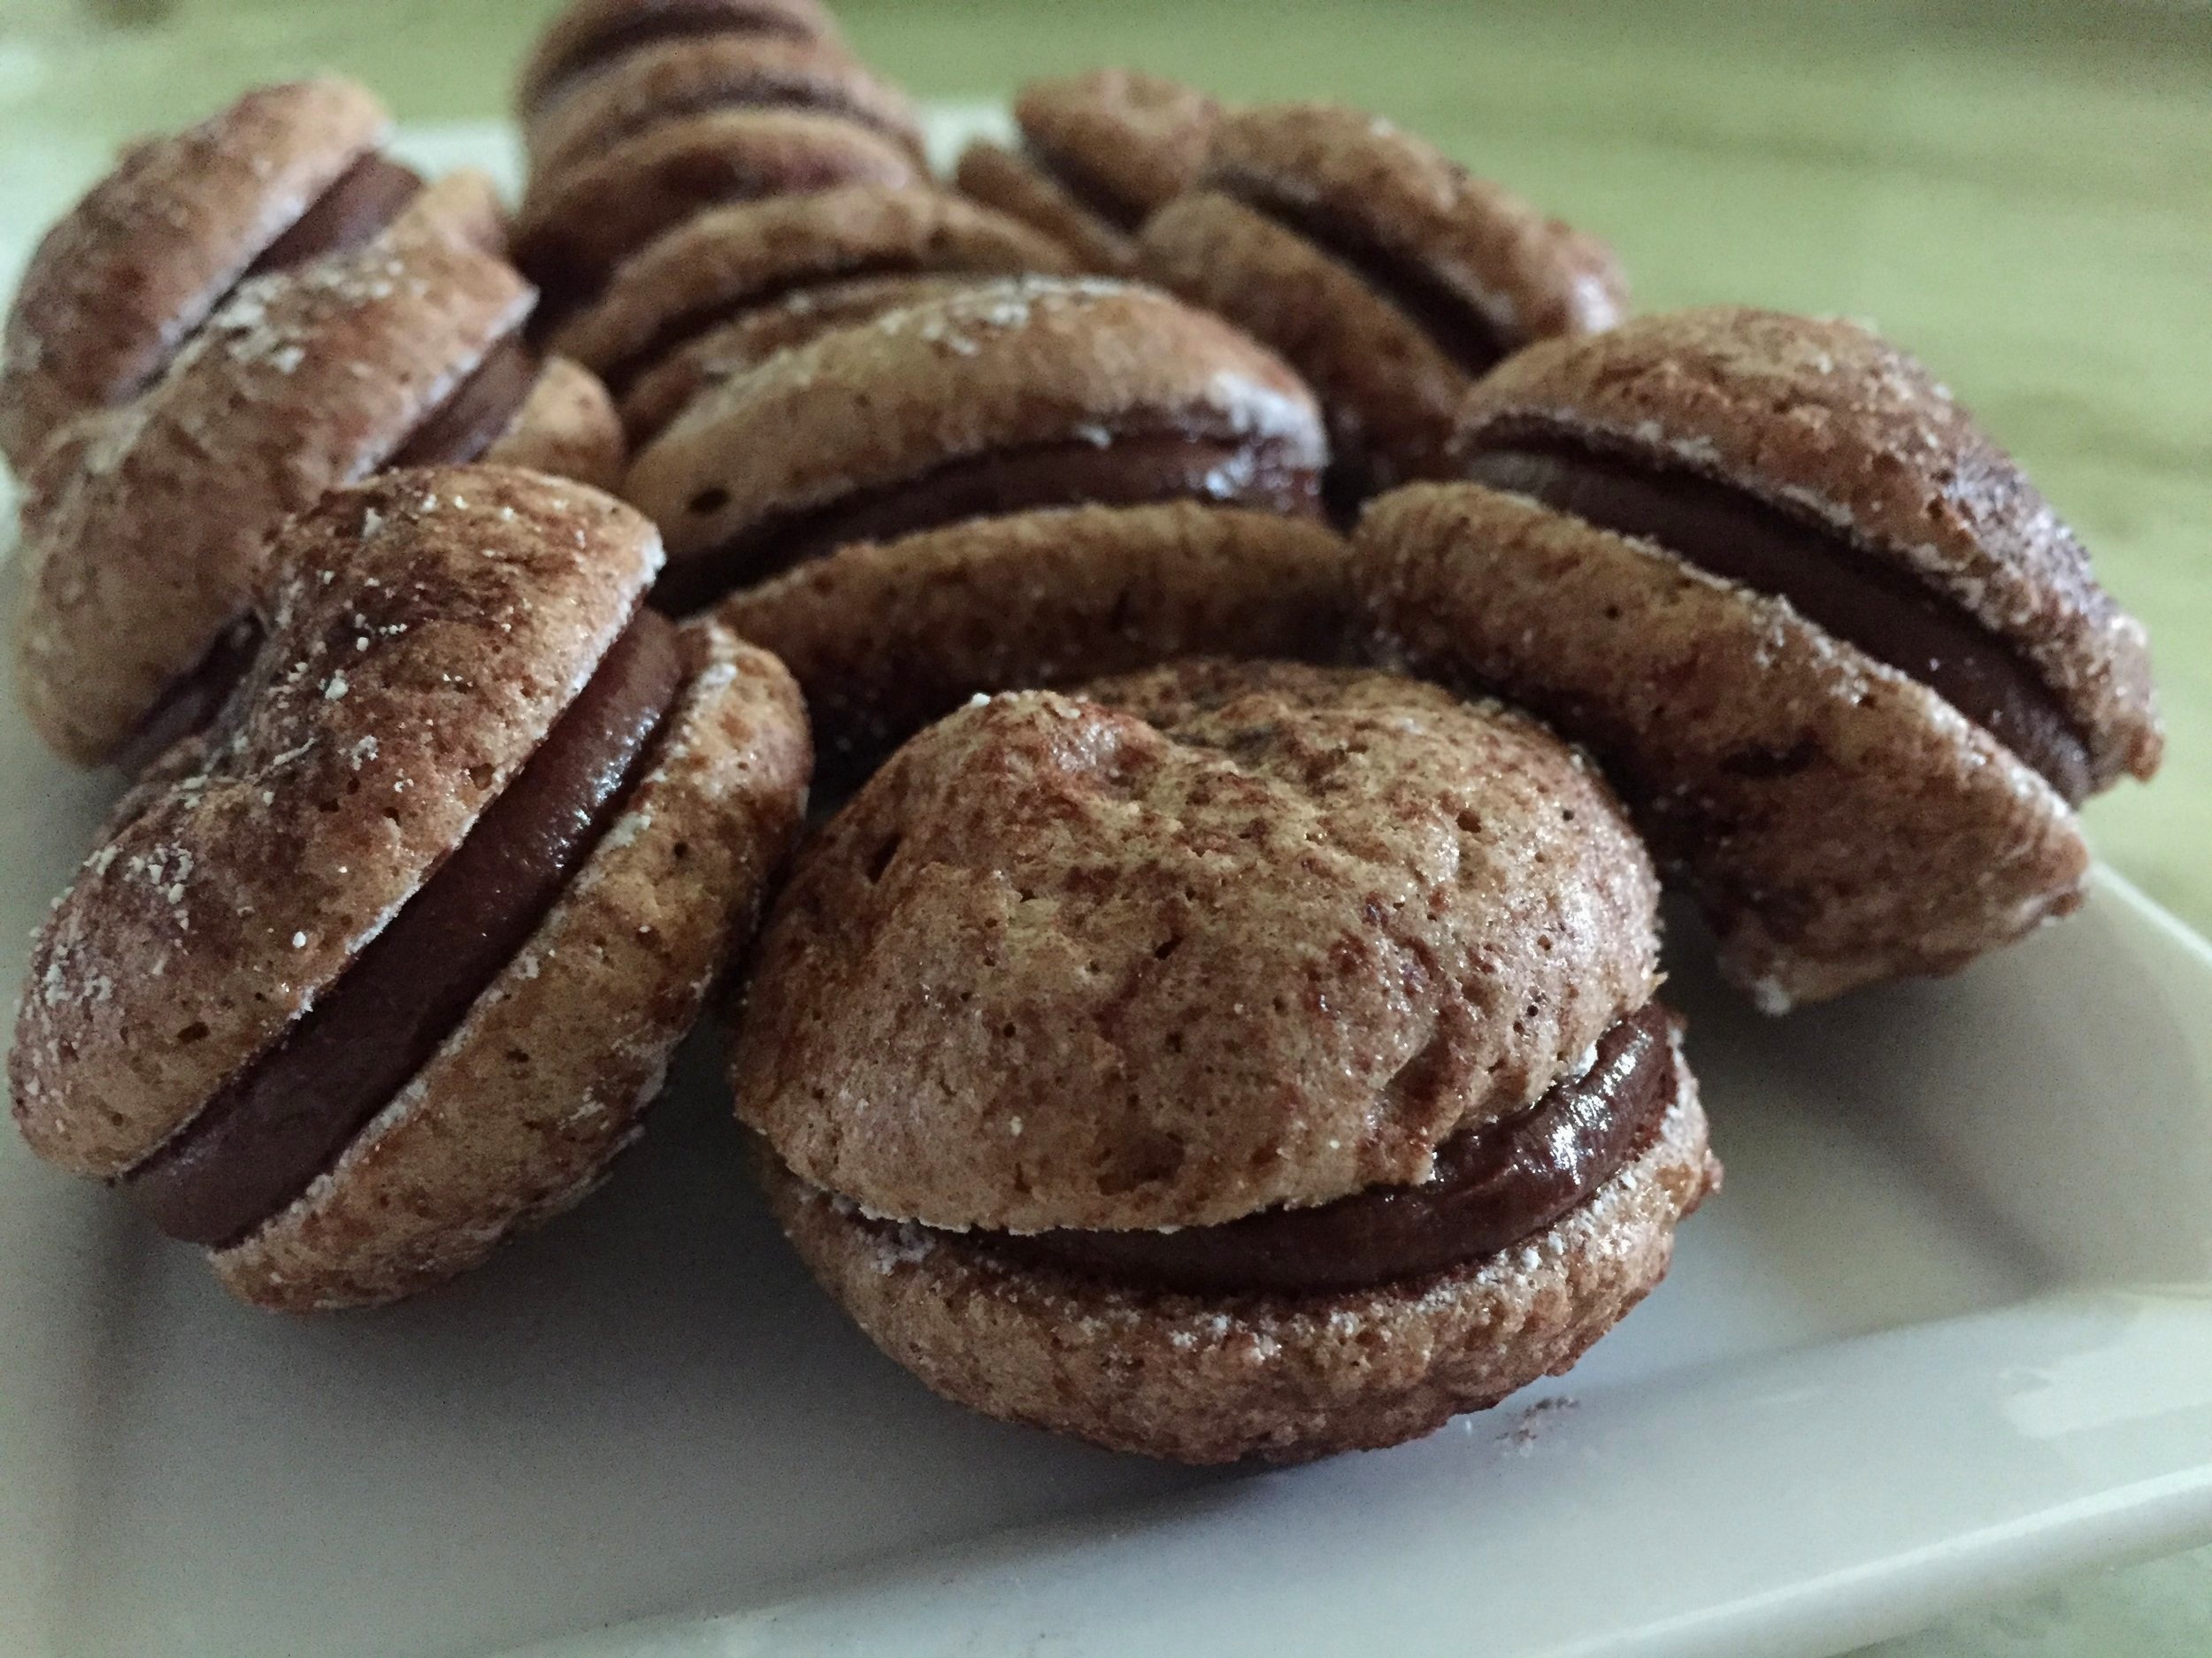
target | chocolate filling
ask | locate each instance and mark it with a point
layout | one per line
(650, 27)
(1495, 1184)
(1091, 192)
(265, 1135)
(475, 412)
(1453, 323)
(1828, 579)
(1132, 469)
(362, 201)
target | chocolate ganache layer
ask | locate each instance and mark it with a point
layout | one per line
(362, 201)
(1135, 469)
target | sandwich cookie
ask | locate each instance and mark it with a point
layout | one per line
(885, 637)
(736, 283)
(391, 960)
(1390, 278)
(592, 36)
(671, 82)
(1100, 153)
(1844, 660)
(145, 529)
(116, 287)
(1015, 395)
(576, 227)
(1234, 1060)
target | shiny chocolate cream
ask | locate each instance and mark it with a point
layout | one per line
(1495, 1184)
(1827, 577)
(1136, 469)
(265, 1136)
(475, 412)
(362, 201)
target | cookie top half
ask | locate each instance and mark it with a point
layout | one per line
(1198, 941)
(1836, 428)
(1016, 395)
(730, 260)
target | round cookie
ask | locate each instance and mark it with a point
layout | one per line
(1211, 999)
(676, 79)
(319, 1002)
(886, 637)
(144, 530)
(120, 282)
(577, 226)
(731, 262)
(1100, 152)
(592, 36)
(1387, 275)
(1014, 395)
(1845, 661)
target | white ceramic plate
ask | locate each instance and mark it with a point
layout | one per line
(1947, 1329)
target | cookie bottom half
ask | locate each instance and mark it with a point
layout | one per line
(1281, 1377)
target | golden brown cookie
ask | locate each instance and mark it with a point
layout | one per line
(1387, 275)
(144, 529)
(1100, 153)
(724, 265)
(393, 962)
(1013, 397)
(1244, 998)
(1848, 664)
(119, 284)
(885, 637)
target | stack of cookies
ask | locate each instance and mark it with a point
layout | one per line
(1259, 623)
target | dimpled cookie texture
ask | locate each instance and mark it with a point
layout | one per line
(1201, 943)
(1100, 153)
(1387, 275)
(1848, 665)
(640, 114)
(453, 654)
(1013, 397)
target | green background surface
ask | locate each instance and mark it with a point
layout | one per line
(2020, 193)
